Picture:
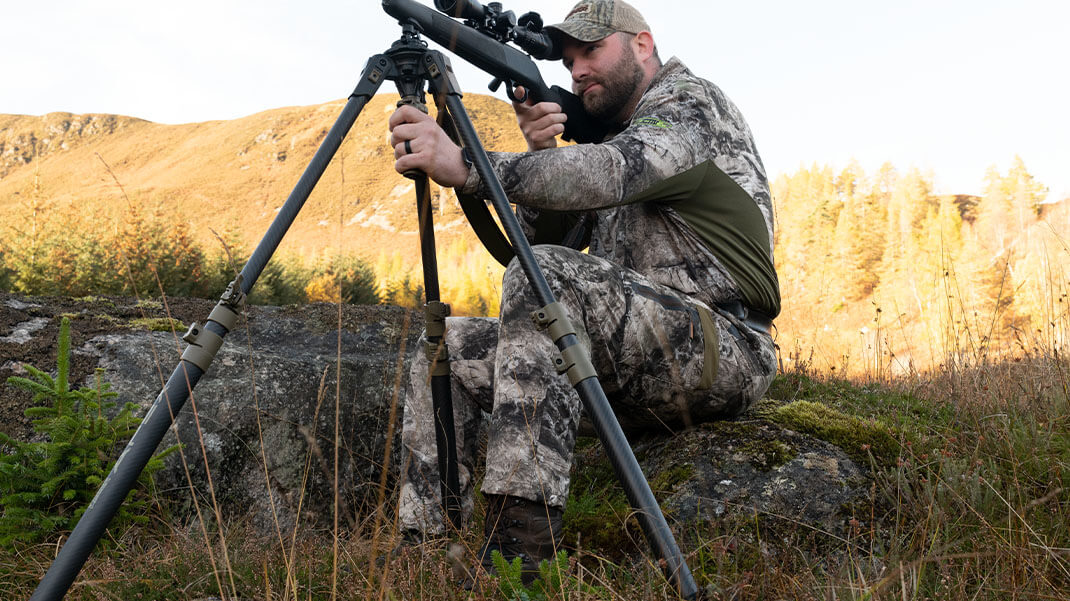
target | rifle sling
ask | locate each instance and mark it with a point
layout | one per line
(486, 229)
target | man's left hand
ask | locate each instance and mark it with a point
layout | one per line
(429, 149)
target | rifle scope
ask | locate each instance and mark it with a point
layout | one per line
(527, 32)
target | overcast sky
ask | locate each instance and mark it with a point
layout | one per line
(951, 86)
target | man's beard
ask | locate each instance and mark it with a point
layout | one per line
(618, 88)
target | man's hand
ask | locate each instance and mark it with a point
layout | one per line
(541, 123)
(429, 149)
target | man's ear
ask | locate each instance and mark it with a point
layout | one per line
(643, 45)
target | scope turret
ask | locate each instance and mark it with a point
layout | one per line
(462, 9)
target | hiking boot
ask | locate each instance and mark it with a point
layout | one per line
(521, 528)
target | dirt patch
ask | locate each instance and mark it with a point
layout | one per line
(29, 328)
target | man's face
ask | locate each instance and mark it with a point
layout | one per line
(605, 75)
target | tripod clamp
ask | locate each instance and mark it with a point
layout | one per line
(575, 359)
(438, 354)
(204, 342)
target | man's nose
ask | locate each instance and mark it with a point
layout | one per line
(580, 70)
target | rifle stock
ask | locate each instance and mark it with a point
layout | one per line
(500, 60)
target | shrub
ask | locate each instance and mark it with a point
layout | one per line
(46, 486)
(555, 580)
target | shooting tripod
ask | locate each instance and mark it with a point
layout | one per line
(410, 65)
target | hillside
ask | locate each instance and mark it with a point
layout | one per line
(234, 174)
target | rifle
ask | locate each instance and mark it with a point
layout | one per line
(483, 40)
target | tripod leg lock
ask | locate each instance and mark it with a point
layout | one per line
(553, 317)
(439, 357)
(233, 296)
(203, 345)
(574, 359)
(225, 316)
(576, 363)
(435, 314)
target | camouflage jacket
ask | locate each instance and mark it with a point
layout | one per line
(682, 122)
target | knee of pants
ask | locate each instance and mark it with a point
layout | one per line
(553, 262)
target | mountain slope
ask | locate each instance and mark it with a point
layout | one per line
(234, 174)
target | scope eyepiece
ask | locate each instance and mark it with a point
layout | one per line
(534, 39)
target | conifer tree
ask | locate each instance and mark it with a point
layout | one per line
(27, 240)
(909, 204)
(859, 234)
(1007, 210)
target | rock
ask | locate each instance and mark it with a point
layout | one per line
(749, 465)
(759, 470)
(264, 414)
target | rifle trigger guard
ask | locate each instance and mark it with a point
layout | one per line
(512, 93)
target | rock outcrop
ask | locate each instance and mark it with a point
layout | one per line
(263, 417)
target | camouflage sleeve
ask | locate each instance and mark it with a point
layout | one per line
(595, 176)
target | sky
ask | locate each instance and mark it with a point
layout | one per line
(951, 87)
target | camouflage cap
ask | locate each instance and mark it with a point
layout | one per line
(593, 20)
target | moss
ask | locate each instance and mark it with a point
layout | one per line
(768, 454)
(158, 324)
(666, 481)
(897, 409)
(598, 515)
(600, 522)
(859, 438)
(99, 300)
(148, 304)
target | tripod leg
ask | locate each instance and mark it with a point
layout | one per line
(436, 312)
(204, 343)
(575, 362)
(410, 86)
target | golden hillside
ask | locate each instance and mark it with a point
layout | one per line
(234, 174)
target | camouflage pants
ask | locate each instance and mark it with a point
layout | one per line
(646, 343)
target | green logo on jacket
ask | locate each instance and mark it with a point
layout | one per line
(654, 122)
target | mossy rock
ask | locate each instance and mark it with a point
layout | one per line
(799, 461)
(905, 415)
(863, 440)
(158, 324)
